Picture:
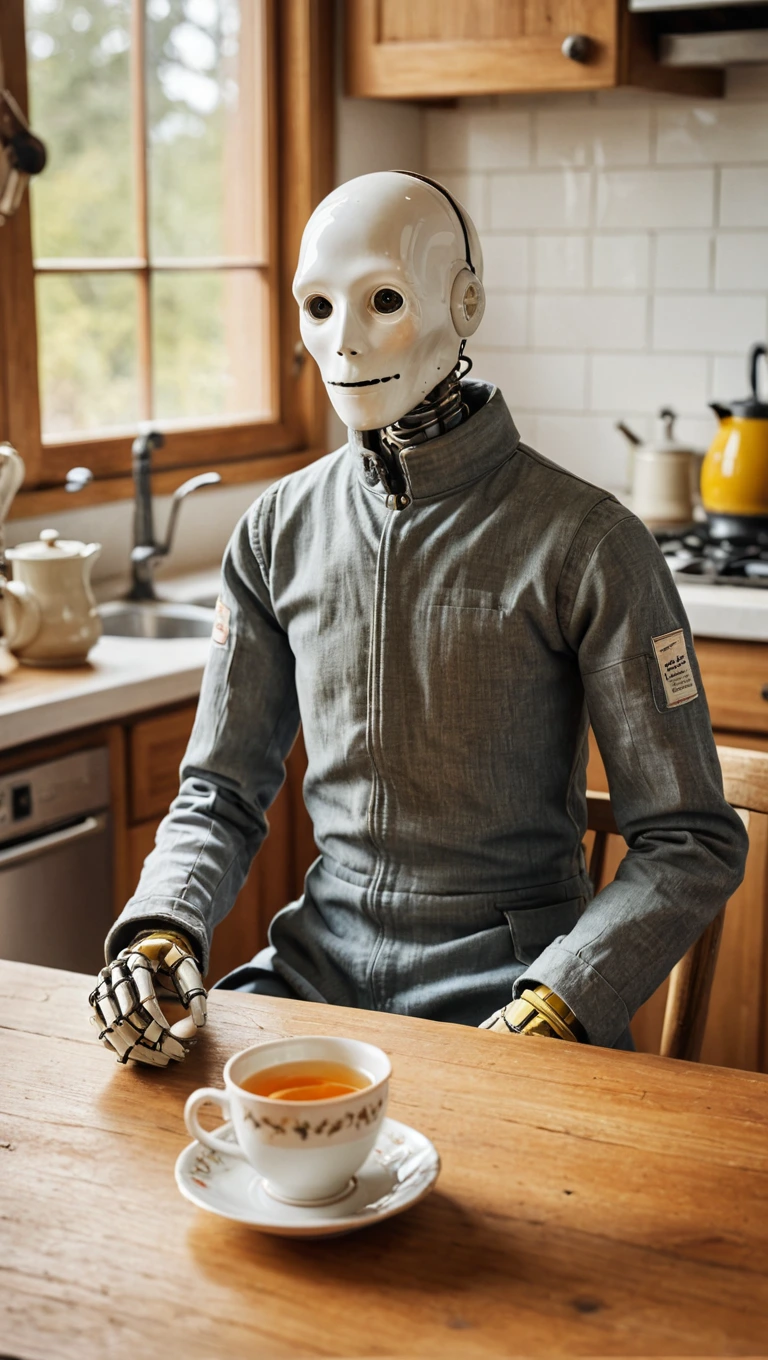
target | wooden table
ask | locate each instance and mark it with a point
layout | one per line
(590, 1203)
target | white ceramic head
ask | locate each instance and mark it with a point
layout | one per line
(385, 293)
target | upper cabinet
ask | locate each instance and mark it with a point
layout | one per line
(440, 49)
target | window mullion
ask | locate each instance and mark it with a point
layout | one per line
(139, 137)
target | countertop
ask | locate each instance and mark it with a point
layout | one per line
(738, 613)
(122, 675)
(130, 675)
(590, 1202)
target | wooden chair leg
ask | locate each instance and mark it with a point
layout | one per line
(690, 983)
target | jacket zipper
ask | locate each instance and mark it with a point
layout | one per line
(374, 668)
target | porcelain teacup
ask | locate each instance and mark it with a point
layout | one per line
(306, 1152)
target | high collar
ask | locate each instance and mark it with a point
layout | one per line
(459, 456)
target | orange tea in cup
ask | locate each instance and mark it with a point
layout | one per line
(306, 1081)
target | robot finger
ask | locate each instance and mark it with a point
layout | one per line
(106, 1011)
(199, 1009)
(143, 979)
(492, 1019)
(154, 1033)
(121, 1042)
(171, 1048)
(152, 1057)
(124, 990)
(188, 981)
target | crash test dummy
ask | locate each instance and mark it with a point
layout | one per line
(445, 611)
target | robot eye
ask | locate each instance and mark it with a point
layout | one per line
(319, 307)
(387, 300)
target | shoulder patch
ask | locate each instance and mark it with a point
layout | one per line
(675, 668)
(221, 624)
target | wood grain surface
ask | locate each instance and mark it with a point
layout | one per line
(590, 1202)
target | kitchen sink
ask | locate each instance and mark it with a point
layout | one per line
(153, 619)
(206, 601)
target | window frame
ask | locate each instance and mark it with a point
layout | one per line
(300, 43)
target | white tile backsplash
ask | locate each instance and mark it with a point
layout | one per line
(506, 261)
(559, 262)
(741, 261)
(588, 321)
(714, 131)
(587, 137)
(744, 197)
(626, 241)
(549, 200)
(620, 261)
(486, 139)
(655, 198)
(698, 324)
(648, 381)
(683, 260)
(505, 324)
(535, 381)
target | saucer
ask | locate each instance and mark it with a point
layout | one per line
(401, 1170)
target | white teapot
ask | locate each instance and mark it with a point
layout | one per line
(49, 613)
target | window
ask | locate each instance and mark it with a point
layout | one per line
(188, 142)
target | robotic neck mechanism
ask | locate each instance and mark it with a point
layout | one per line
(441, 410)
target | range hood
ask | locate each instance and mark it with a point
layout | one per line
(708, 32)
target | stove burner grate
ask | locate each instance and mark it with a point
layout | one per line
(692, 554)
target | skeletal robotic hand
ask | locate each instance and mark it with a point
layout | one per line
(126, 1010)
(539, 1011)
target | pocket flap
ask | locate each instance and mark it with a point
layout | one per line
(533, 928)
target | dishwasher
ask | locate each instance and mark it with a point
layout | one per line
(56, 862)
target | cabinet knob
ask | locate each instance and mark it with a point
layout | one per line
(764, 692)
(577, 47)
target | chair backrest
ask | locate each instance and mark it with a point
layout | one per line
(745, 783)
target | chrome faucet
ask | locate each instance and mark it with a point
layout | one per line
(146, 550)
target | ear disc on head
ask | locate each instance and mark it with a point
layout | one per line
(467, 303)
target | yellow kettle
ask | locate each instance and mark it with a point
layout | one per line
(734, 476)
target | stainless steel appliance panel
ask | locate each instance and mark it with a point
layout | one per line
(56, 862)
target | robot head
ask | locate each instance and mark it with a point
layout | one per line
(388, 284)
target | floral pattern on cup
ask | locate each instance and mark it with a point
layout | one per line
(349, 1123)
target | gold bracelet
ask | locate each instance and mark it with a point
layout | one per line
(543, 1007)
(151, 943)
(541, 1004)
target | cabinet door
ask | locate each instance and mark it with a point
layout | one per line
(735, 676)
(419, 49)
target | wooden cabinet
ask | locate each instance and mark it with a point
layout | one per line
(420, 49)
(734, 674)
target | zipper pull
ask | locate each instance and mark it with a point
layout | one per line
(398, 502)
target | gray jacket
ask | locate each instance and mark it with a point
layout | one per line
(442, 660)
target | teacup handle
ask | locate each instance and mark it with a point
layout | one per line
(210, 1095)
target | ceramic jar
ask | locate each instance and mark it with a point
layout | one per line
(49, 613)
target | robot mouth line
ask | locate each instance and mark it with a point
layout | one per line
(365, 382)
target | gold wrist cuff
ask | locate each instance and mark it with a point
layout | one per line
(541, 1004)
(154, 944)
(542, 1011)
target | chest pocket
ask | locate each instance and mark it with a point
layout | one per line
(533, 928)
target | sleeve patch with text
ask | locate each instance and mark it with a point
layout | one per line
(675, 668)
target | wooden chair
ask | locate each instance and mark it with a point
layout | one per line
(745, 782)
